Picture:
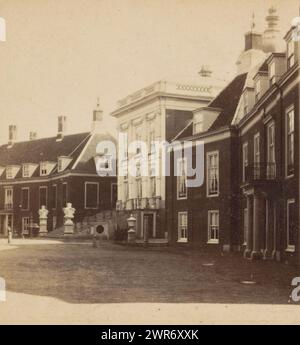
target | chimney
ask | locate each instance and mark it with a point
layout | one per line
(97, 118)
(62, 123)
(32, 136)
(12, 135)
(272, 42)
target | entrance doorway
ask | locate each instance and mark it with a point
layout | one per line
(149, 228)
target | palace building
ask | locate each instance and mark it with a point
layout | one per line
(52, 172)
(249, 200)
(157, 112)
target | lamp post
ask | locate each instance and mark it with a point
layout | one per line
(131, 221)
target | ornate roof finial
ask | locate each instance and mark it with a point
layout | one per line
(98, 102)
(253, 22)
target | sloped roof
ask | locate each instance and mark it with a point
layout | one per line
(45, 149)
(228, 100)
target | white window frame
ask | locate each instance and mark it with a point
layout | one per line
(46, 188)
(209, 226)
(271, 147)
(8, 198)
(25, 188)
(256, 155)
(9, 173)
(181, 168)
(289, 247)
(182, 226)
(198, 121)
(209, 194)
(153, 186)
(25, 170)
(288, 111)
(245, 159)
(43, 169)
(85, 195)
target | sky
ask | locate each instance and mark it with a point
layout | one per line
(60, 55)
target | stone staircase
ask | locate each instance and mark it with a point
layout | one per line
(84, 229)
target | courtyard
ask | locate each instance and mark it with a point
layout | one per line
(76, 272)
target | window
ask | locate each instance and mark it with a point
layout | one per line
(212, 163)
(64, 198)
(290, 54)
(257, 90)
(213, 227)
(139, 190)
(25, 198)
(272, 73)
(153, 186)
(290, 225)
(256, 158)
(91, 195)
(25, 225)
(245, 160)
(181, 179)
(9, 173)
(43, 169)
(125, 190)
(138, 138)
(152, 137)
(245, 225)
(54, 197)
(198, 123)
(25, 170)
(8, 198)
(271, 165)
(43, 196)
(182, 226)
(290, 142)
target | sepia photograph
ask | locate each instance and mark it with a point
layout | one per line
(149, 164)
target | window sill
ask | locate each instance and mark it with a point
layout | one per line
(181, 198)
(212, 195)
(182, 240)
(213, 242)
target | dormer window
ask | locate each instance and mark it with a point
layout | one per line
(290, 53)
(26, 170)
(11, 171)
(63, 163)
(46, 168)
(257, 90)
(198, 123)
(43, 169)
(272, 73)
